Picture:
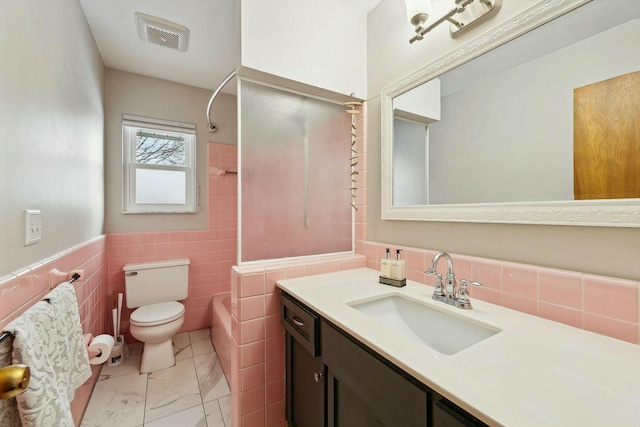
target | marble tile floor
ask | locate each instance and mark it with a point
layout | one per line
(193, 393)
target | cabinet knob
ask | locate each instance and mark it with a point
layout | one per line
(317, 376)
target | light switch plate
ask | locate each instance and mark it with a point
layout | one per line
(33, 226)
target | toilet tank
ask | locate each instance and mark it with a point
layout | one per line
(155, 282)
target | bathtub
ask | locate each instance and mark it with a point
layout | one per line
(221, 330)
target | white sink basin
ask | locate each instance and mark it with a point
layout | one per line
(438, 330)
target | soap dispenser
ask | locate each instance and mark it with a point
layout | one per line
(395, 270)
(385, 266)
(398, 271)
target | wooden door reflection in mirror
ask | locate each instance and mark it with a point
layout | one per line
(606, 139)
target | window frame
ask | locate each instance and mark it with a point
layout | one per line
(131, 125)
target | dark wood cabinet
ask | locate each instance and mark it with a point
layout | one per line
(446, 414)
(305, 386)
(346, 408)
(365, 391)
(333, 380)
(305, 371)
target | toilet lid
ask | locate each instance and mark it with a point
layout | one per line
(152, 314)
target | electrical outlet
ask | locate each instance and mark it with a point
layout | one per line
(33, 226)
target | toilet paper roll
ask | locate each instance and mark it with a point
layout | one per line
(103, 343)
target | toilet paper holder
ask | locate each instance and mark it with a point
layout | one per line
(92, 352)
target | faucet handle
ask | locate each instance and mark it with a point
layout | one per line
(470, 282)
(433, 273)
(438, 291)
(462, 299)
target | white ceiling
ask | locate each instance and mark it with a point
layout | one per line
(213, 44)
(213, 41)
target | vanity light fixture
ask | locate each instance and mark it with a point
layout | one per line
(468, 14)
(417, 13)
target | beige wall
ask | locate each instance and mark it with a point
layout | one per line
(599, 250)
(51, 129)
(128, 93)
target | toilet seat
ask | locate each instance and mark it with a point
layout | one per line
(157, 314)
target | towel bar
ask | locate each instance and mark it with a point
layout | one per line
(14, 379)
(74, 276)
(56, 276)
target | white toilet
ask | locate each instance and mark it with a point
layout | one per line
(154, 289)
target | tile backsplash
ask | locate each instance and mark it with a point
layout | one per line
(605, 305)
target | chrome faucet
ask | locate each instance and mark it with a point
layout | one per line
(449, 293)
(439, 293)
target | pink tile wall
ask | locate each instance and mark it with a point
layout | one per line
(212, 251)
(23, 288)
(604, 305)
(257, 360)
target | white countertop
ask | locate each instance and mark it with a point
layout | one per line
(534, 372)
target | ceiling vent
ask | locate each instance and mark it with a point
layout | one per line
(162, 33)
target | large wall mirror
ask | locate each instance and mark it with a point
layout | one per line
(510, 126)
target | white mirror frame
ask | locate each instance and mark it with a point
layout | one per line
(614, 212)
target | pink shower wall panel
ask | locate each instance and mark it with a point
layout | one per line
(257, 357)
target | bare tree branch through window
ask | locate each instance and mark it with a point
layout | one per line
(160, 149)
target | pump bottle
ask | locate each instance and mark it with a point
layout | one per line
(385, 266)
(398, 271)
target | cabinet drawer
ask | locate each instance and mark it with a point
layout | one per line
(446, 414)
(394, 398)
(301, 323)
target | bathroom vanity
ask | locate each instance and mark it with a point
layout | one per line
(350, 362)
(332, 376)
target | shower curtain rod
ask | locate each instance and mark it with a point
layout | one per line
(212, 127)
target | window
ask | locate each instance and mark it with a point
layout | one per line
(159, 166)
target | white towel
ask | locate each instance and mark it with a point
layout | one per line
(35, 344)
(9, 416)
(73, 362)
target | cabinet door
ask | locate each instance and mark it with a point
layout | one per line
(346, 408)
(305, 386)
(364, 391)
